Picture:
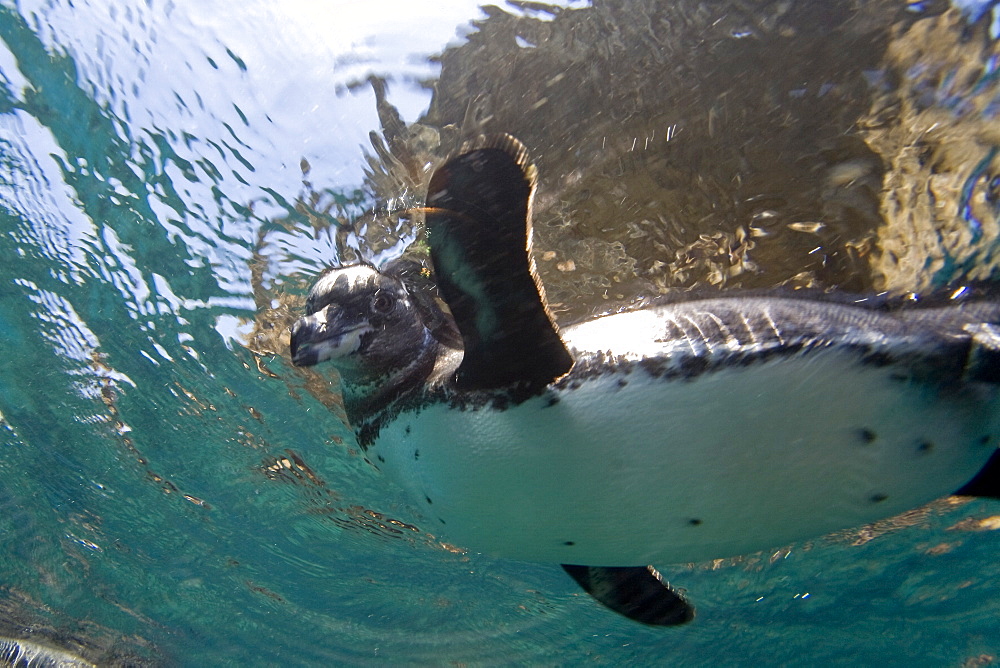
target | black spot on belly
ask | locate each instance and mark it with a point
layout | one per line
(441, 521)
(925, 447)
(407, 430)
(694, 521)
(877, 498)
(416, 454)
(381, 459)
(866, 435)
(428, 500)
(569, 542)
(550, 401)
(985, 439)
(622, 382)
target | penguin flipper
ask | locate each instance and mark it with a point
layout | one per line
(986, 483)
(636, 592)
(478, 225)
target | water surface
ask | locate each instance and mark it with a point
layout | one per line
(172, 175)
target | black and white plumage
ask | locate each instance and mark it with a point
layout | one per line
(673, 432)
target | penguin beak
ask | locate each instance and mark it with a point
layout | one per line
(323, 336)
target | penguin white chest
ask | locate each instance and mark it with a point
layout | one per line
(630, 469)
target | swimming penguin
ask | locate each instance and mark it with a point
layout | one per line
(672, 432)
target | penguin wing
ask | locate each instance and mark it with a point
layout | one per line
(478, 226)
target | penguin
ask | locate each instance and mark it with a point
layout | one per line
(677, 430)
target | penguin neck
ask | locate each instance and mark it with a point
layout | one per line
(366, 394)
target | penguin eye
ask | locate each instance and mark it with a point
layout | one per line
(382, 302)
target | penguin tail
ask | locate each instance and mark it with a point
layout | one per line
(987, 481)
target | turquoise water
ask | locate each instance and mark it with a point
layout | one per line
(173, 492)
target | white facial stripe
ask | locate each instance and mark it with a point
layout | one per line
(357, 276)
(341, 346)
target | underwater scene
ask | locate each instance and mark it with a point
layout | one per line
(175, 176)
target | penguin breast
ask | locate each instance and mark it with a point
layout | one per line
(628, 466)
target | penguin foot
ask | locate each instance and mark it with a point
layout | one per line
(636, 592)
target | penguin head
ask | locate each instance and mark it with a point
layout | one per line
(362, 319)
